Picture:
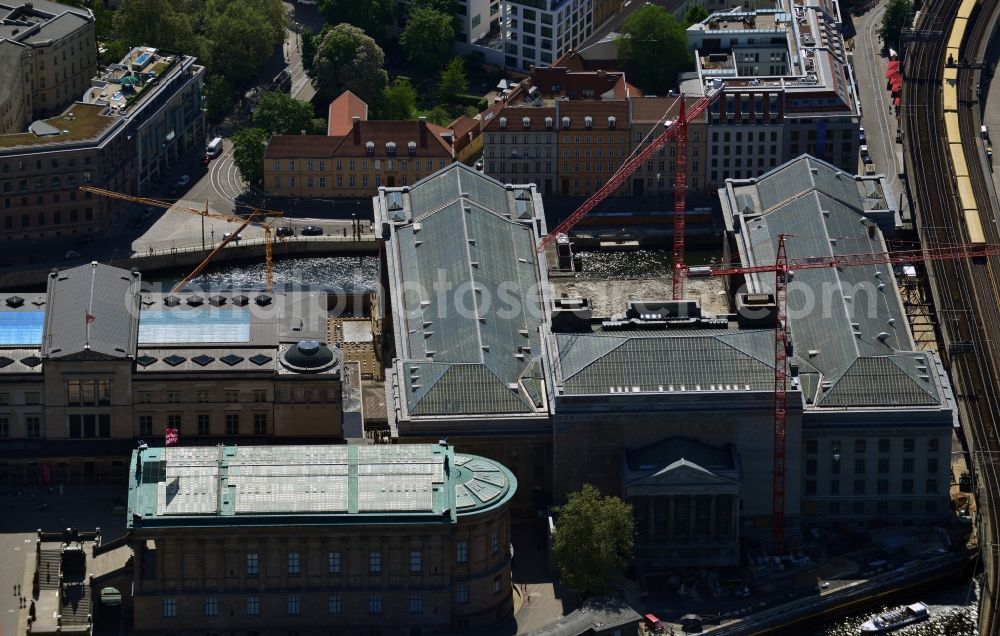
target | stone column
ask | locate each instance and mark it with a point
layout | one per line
(734, 526)
(693, 517)
(670, 517)
(651, 519)
(712, 529)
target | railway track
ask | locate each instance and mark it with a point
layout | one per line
(966, 293)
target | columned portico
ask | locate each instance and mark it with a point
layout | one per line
(685, 496)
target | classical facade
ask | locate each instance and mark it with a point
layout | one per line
(878, 414)
(98, 363)
(314, 539)
(685, 498)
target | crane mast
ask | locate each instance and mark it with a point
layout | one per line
(680, 203)
(781, 268)
(626, 170)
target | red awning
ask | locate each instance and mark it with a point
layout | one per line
(895, 76)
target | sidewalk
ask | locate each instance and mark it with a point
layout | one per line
(543, 601)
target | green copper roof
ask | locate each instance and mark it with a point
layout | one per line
(290, 485)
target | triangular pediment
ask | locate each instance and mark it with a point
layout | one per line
(682, 472)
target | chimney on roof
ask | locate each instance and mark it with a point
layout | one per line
(423, 132)
(356, 126)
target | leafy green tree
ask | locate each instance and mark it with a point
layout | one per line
(594, 539)
(243, 36)
(652, 48)
(453, 80)
(219, 97)
(308, 49)
(348, 59)
(439, 115)
(444, 6)
(399, 100)
(428, 37)
(249, 145)
(368, 15)
(695, 14)
(155, 23)
(282, 114)
(898, 16)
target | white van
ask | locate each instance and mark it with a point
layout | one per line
(214, 148)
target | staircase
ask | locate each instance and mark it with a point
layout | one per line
(74, 605)
(48, 570)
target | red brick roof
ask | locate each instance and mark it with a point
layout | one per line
(300, 146)
(379, 132)
(515, 115)
(599, 111)
(342, 111)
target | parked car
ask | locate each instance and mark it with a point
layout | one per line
(236, 239)
(181, 182)
(312, 230)
(864, 151)
(284, 231)
(861, 135)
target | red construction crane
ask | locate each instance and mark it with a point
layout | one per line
(680, 202)
(630, 166)
(781, 268)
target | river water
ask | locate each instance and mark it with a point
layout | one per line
(953, 610)
(351, 274)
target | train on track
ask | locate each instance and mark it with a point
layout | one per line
(966, 193)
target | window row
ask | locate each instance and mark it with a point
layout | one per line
(884, 445)
(203, 421)
(404, 164)
(883, 465)
(334, 562)
(230, 396)
(334, 603)
(32, 426)
(906, 486)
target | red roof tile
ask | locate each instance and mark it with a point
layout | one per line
(430, 144)
(342, 111)
(300, 146)
(599, 111)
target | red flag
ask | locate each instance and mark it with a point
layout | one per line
(90, 318)
(171, 435)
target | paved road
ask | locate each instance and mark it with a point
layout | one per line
(877, 117)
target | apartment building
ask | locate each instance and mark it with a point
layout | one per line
(535, 33)
(655, 177)
(786, 85)
(562, 130)
(348, 539)
(99, 362)
(593, 144)
(522, 145)
(357, 156)
(48, 53)
(122, 133)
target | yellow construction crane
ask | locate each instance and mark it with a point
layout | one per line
(255, 216)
